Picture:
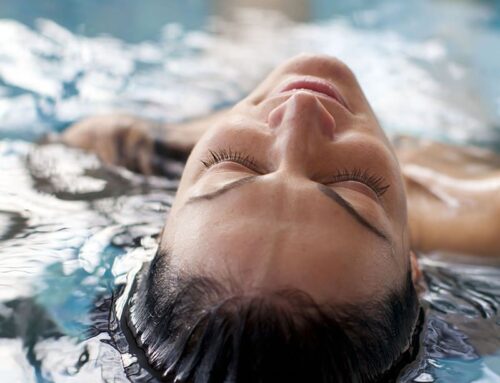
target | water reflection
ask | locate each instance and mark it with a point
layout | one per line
(137, 22)
(296, 10)
(71, 230)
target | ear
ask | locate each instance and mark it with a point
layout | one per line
(416, 273)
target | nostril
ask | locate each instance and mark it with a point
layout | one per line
(327, 123)
(275, 117)
(302, 111)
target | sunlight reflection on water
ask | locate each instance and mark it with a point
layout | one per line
(72, 230)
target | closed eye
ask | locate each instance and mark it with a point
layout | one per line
(228, 155)
(375, 183)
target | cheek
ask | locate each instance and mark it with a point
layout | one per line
(400, 213)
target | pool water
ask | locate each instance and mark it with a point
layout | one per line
(73, 231)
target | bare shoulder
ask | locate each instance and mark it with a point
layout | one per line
(453, 196)
(117, 139)
(454, 160)
(84, 133)
(139, 144)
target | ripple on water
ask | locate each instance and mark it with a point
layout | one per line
(71, 230)
(11, 223)
(461, 339)
(67, 238)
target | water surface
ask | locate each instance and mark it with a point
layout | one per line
(72, 231)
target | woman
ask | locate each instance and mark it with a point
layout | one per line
(288, 253)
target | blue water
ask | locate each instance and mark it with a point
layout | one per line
(72, 231)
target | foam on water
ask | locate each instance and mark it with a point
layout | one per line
(52, 77)
(72, 230)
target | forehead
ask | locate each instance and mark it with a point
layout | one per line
(271, 236)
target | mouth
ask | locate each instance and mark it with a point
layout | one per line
(315, 85)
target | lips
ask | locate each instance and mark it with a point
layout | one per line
(315, 85)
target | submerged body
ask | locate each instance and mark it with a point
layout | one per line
(297, 189)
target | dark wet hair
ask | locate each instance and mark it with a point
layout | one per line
(198, 329)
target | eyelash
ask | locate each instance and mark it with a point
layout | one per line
(376, 183)
(228, 155)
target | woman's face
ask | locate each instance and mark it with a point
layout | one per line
(295, 187)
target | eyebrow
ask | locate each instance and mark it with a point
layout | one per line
(223, 189)
(330, 193)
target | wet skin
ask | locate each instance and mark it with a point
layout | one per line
(278, 214)
(303, 191)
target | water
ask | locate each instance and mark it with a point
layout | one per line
(72, 231)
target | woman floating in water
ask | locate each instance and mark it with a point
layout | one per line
(288, 254)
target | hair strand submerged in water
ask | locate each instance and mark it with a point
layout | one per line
(195, 329)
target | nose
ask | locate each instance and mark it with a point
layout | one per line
(301, 124)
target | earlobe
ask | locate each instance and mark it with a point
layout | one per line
(416, 273)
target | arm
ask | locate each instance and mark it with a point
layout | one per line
(453, 197)
(137, 144)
